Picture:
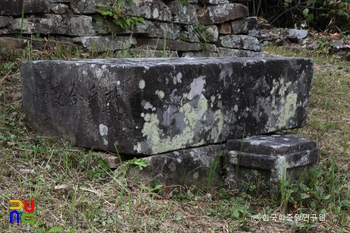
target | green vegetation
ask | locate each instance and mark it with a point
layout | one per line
(118, 16)
(203, 36)
(75, 191)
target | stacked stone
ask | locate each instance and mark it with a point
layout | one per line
(169, 25)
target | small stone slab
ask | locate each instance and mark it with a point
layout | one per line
(274, 156)
(151, 106)
(105, 43)
(240, 42)
(244, 26)
(72, 25)
(200, 166)
(216, 14)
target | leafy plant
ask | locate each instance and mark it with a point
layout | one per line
(119, 17)
(203, 36)
(139, 163)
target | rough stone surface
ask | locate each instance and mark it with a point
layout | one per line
(296, 33)
(240, 42)
(189, 34)
(103, 43)
(59, 8)
(276, 157)
(57, 24)
(243, 26)
(150, 53)
(13, 8)
(85, 7)
(153, 29)
(216, 14)
(5, 21)
(148, 9)
(226, 52)
(172, 45)
(151, 106)
(184, 14)
(225, 29)
(184, 167)
(200, 54)
(212, 33)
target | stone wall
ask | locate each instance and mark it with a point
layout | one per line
(215, 28)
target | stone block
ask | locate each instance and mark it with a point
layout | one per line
(243, 26)
(59, 8)
(105, 43)
(184, 14)
(147, 9)
(173, 45)
(189, 34)
(56, 24)
(151, 106)
(86, 7)
(148, 29)
(212, 33)
(5, 21)
(200, 167)
(216, 14)
(295, 34)
(225, 29)
(14, 8)
(276, 157)
(240, 42)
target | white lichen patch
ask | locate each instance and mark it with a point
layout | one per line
(177, 78)
(148, 105)
(196, 87)
(160, 94)
(155, 13)
(103, 130)
(138, 147)
(233, 157)
(105, 142)
(142, 84)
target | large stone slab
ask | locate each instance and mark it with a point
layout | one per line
(275, 157)
(151, 106)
